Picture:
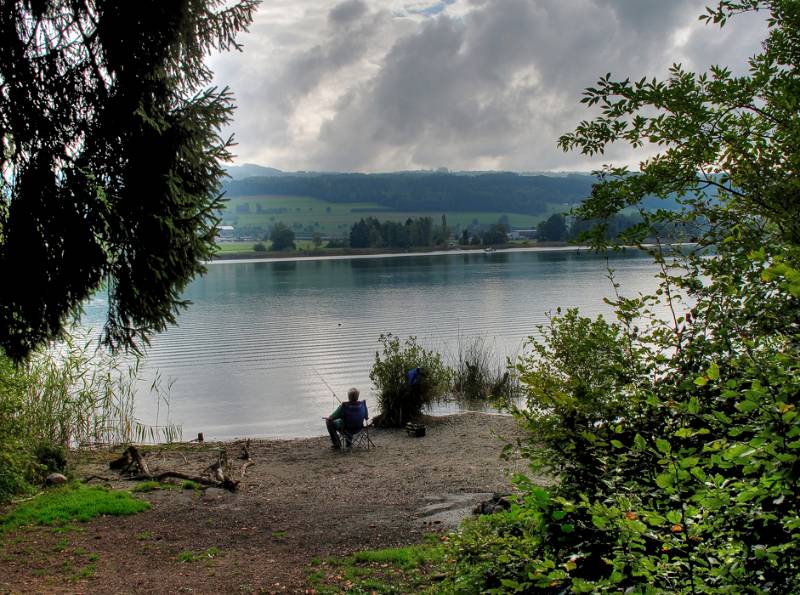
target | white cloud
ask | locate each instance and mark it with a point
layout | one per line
(470, 84)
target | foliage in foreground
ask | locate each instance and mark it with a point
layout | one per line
(674, 430)
(70, 503)
(70, 395)
(398, 400)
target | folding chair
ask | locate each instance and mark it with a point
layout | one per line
(355, 431)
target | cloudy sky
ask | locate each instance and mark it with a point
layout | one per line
(387, 85)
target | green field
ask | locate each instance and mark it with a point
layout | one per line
(239, 247)
(307, 215)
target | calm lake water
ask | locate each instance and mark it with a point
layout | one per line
(248, 356)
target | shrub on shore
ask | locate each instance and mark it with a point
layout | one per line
(401, 402)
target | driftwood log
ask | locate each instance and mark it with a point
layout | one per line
(245, 454)
(132, 463)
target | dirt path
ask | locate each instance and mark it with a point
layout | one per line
(301, 500)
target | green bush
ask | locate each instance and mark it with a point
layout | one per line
(259, 247)
(399, 402)
(17, 459)
(674, 432)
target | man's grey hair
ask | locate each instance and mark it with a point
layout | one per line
(352, 395)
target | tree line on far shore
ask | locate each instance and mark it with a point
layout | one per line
(421, 232)
(415, 232)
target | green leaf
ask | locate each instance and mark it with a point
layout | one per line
(698, 473)
(582, 586)
(600, 522)
(746, 406)
(617, 444)
(673, 516)
(665, 480)
(713, 371)
(663, 446)
(701, 381)
(735, 451)
(747, 495)
(688, 462)
(712, 503)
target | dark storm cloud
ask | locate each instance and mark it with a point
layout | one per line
(470, 84)
(496, 87)
(346, 41)
(347, 11)
(286, 62)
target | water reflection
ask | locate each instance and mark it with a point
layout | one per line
(244, 355)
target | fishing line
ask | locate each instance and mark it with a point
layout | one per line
(326, 384)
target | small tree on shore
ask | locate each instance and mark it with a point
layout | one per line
(282, 237)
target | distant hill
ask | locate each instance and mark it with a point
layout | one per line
(419, 191)
(250, 170)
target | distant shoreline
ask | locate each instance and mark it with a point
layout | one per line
(382, 253)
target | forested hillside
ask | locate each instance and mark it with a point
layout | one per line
(422, 191)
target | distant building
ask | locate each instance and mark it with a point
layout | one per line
(225, 233)
(522, 234)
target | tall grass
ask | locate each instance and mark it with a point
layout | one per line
(70, 395)
(77, 394)
(479, 374)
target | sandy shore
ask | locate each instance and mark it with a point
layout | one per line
(300, 500)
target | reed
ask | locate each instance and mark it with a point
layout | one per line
(78, 394)
(479, 374)
(70, 395)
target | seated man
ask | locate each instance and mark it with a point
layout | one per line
(348, 416)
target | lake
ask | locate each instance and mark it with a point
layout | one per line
(252, 354)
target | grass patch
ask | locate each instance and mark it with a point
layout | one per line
(402, 557)
(61, 545)
(190, 485)
(84, 572)
(151, 486)
(187, 556)
(409, 569)
(77, 502)
(190, 556)
(279, 534)
(146, 486)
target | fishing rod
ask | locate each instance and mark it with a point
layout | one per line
(326, 384)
